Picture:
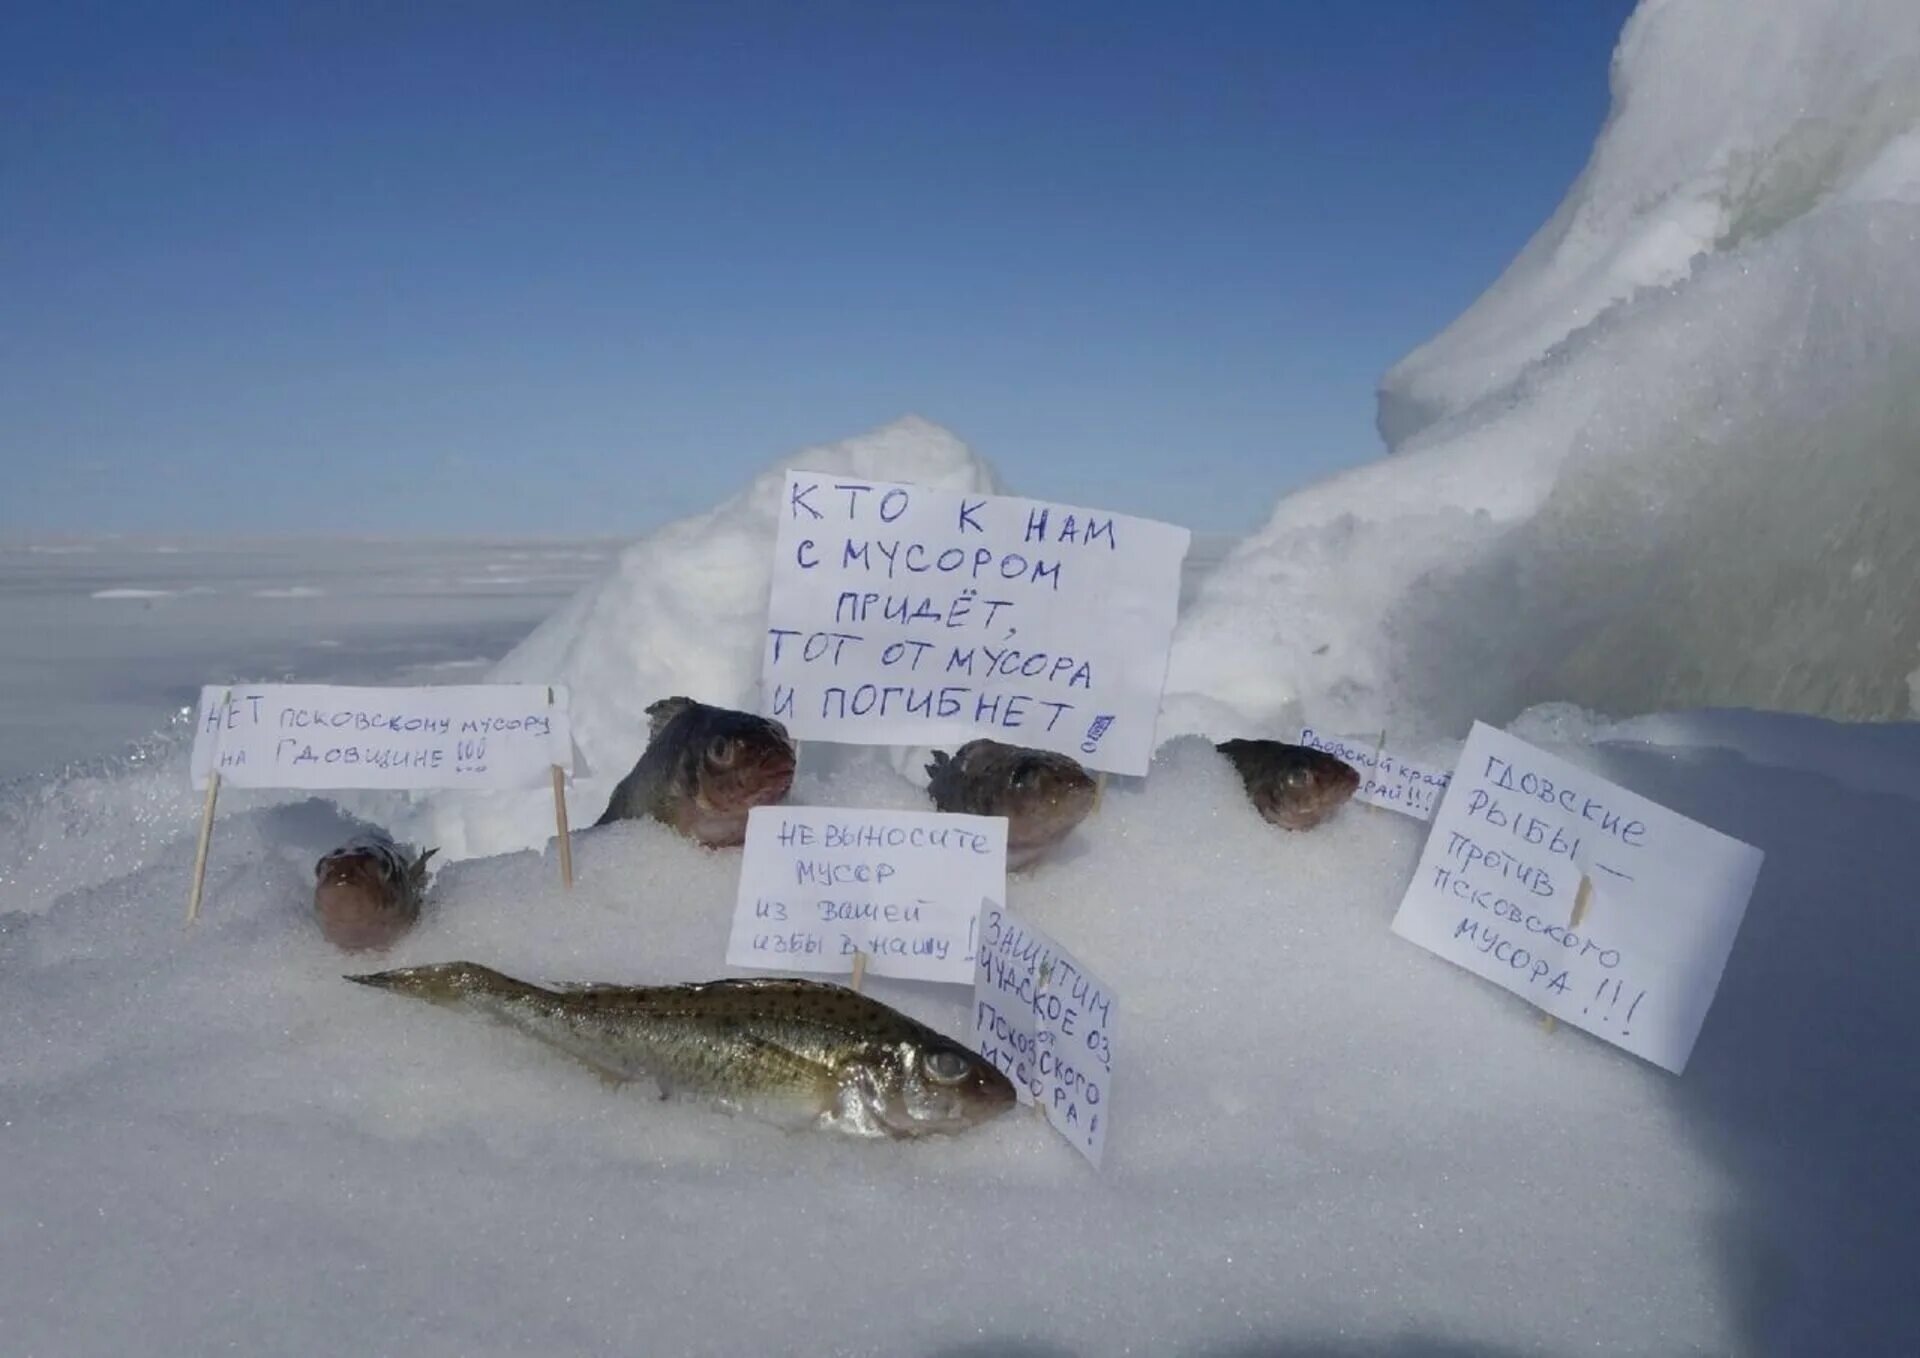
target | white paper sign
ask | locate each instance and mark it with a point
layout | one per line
(326, 736)
(821, 883)
(902, 615)
(1495, 893)
(1387, 779)
(1046, 1022)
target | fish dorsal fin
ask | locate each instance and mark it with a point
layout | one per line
(664, 711)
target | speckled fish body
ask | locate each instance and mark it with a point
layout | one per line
(367, 892)
(703, 770)
(1043, 795)
(797, 1053)
(1291, 785)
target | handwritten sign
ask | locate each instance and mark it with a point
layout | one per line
(902, 615)
(1387, 779)
(1496, 887)
(1046, 1022)
(819, 884)
(323, 736)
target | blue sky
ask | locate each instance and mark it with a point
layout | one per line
(578, 268)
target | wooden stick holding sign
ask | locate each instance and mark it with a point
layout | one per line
(1580, 899)
(206, 830)
(560, 815)
(859, 971)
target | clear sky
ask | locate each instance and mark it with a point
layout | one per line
(574, 267)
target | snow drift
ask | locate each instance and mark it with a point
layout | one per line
(1325, 1141)
(683, 611)
(1670, 459)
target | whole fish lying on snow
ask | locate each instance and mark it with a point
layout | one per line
(703, 769)
(1043, 795)
(367, 892)
(1291, 785)
(796, 1053)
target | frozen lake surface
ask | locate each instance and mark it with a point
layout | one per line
(102, 639)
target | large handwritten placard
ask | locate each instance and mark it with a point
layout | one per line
(902, 615)
(1046, 1022)
(1496, 888)
(325, 736)
(1387, 779)
(819, 884)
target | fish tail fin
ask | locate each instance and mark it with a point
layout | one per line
(447, 982)
(417, 870)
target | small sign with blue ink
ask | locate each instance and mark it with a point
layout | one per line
(328, 736)
(1046, 1022)
(820, 884)
(1516, 832)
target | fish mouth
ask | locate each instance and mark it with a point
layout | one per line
(1053, 808)
(356, 920)
(1303, 812)
(981, 1101)
(746, 794)
(770, 790)
(994, 1094)
(733, 791)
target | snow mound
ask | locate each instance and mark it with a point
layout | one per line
(1730, 120)
(682, 611)
(1668, 460)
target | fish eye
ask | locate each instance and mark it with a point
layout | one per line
(1026, 776)
(720, 751)
(1299, 777)
(946, 1067)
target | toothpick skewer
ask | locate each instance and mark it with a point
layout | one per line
(1580, 899)
(560, 817)
(206, 818)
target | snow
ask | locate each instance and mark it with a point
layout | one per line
(1321, 1134)
(1730, 121)
(684, 611)
(1323, 1140)
(1667, 460)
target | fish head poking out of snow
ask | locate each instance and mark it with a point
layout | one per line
(704, 769)
(1043, 795)
(1291, 785)
(367, 892)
